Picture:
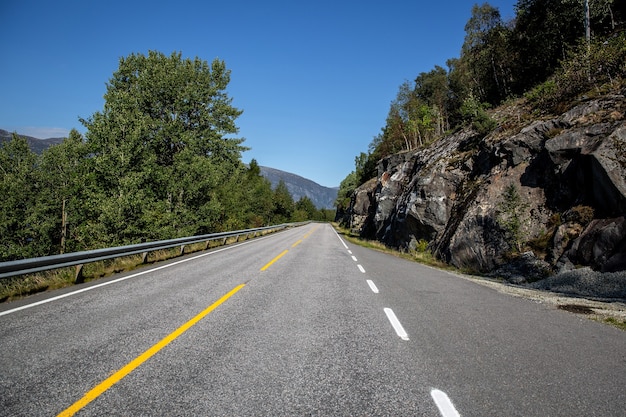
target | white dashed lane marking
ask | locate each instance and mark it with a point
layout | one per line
(444, 404)
(397, 326)
(372, 286)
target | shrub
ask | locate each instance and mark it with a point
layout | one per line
(511, 209)
(586, 66)
(580, 214)
(421, 245)
(475, 113)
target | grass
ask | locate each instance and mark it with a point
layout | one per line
(21, 286)
(421, 255)
(620, 324)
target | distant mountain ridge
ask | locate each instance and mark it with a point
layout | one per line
(35, 144)
(322, 197)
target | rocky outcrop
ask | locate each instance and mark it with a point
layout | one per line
(553, 190)
(362, 206)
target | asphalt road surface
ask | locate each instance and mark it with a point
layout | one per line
(302, 323)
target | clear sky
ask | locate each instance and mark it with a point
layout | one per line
(314, 79)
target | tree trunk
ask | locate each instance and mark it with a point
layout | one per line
(63, 225)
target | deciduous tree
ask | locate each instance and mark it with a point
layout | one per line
(162, 146)
(18, 188)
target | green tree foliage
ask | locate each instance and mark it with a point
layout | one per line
(159, 161)
(283, 206)
(259, 195)
(346, 188)
(511, 217)
(304, 210)
(588, 66)
(433, 89)
(161, 149)
(411, 121)
(545, 30)
(500, 60)
(63, 173)
(19, 227)
(488, 59)
(474, 113)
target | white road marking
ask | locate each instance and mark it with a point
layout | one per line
(350, 252)
(372, 286)
(444, 404)
(396, 324)
(354, 258)
(361, 268)
(340, 239)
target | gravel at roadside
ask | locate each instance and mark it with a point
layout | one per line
(602, 294)
(586, 282)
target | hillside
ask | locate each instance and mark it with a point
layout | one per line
(534, 197)
(36, 145)
(322, 197)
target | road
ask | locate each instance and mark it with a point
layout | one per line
(302, 323)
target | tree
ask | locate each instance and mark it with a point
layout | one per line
(488, 55)
(346, 188)
(62, 200)
(304, 210)
(283, 204)
(256, 201)
(511, 217)
(433, 88)
(162, 147)
(18, 188)
(543, 31)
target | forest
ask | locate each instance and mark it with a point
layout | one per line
(549, 53)
(160, 161)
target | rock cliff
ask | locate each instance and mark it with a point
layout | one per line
(532, 198)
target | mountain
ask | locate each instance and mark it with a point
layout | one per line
(322, 197)
(36, 145)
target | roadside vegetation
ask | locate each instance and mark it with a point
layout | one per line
(420, 254)
(20, 286)
(619, 323)
(541, 59)
(161, 160)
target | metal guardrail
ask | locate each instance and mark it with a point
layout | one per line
(45, 263)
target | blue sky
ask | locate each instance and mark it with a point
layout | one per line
(314, 79)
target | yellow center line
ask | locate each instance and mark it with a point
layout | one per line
(131, 366)
(310, 232)
(274, 260)
(296, 244)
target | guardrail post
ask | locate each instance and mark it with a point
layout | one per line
(78, 276)
(224, 241)
(144, 257)
(182, 250)
(206, 244)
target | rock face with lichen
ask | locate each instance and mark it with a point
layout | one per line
(531, 198)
